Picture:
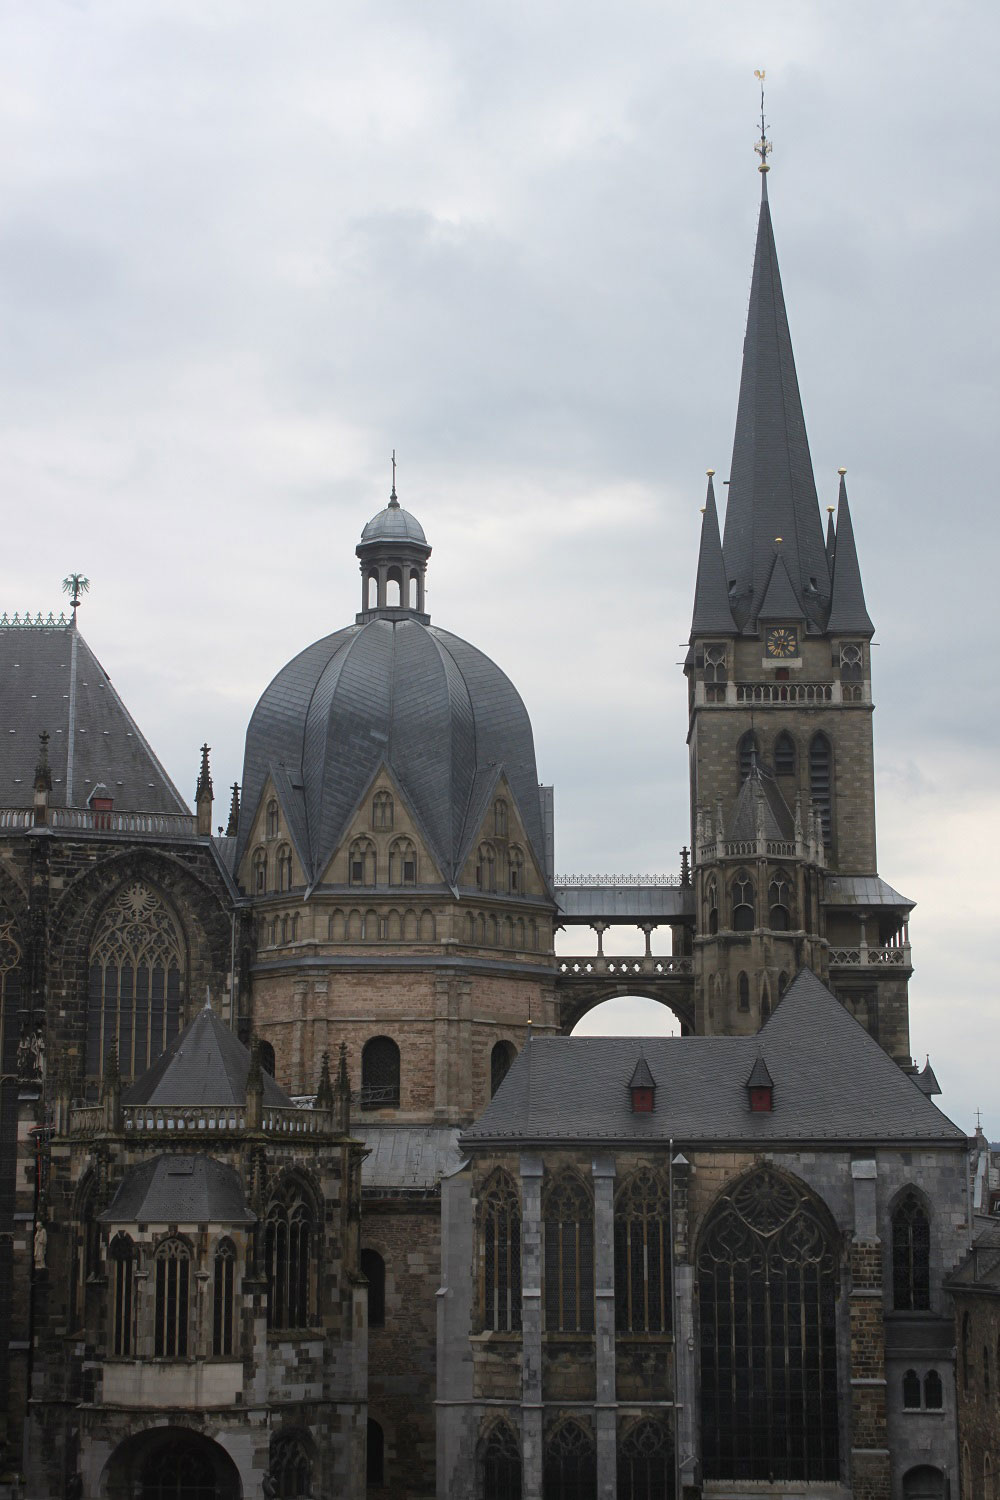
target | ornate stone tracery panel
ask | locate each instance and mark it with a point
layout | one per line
(137, 970)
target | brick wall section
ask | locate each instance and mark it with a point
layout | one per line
(870, 1466)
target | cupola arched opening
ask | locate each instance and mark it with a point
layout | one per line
(380, 1074)
(744, 899)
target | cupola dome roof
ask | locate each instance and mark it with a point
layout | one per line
(394, 524)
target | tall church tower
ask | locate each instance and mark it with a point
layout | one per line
(780, 722)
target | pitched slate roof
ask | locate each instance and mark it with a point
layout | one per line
(772, 491)
(51, 680)
(760, 789)
(180, 1189)
(832, 1081)
(848, 611)
(407, 1158)
(205, 1064)
(780, 601)
(439, 714)
(712, 615)
(866, 891)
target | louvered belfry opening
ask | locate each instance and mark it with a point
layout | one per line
(767, 1285)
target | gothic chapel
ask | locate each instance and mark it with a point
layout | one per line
(305, 1187)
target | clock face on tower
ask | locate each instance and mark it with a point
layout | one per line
(781, 641)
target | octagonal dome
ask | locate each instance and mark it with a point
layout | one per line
(438, 713)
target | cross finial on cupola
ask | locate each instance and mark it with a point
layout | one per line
(392, 497)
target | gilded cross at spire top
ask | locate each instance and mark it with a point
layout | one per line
(763, 146)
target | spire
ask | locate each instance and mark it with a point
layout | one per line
(712, 615)
(232, 826)
(831, 539)
(848, 614)
(780, 601)
(772, 491)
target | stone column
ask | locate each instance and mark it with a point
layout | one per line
(531, 1326)
(605, 1411)
(870, 1466)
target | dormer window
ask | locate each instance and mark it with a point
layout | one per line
(760, 1087)
(642, 1089)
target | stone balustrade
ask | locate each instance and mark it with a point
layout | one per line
(202, 1120)
(600, 964)
(894, 955)
(781, 694)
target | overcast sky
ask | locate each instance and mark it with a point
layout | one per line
(247, 249)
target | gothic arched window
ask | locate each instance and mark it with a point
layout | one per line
(173, 1293)
(568, 1215)
(712, 905)
(500, 1258)
(500, 1464)
(646, 1462)
(911, 1255)
(767, 1289)
(224, 1297)
(501, 1057)
(380, 1074)
(747, 752)
(642, 1255)
(402, 862)
(779, 901)
(570, 1464)
(373, 1270)
(382, 810)
(272, 819)
(784, 755)
(933, 1391)
(821, 782)
(744, 914)
(136, 980)
(500, 818)
(742, 991)
(290, 1467)
(284, 868)
(515, 870)
(911, 1390)
(122, 1257)
(288, 1249)
(486, 868)
(361, 865)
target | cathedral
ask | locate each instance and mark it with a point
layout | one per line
(305, 1187)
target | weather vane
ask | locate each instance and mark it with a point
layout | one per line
(763, 146)
(75, 585)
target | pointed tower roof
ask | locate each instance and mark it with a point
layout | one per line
(206, 1064)
(780, 601)
(759, 800)
(712, 615)
(831, 539)
(848, 612)
(772, 491)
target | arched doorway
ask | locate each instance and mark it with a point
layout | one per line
(171, 1463)
(924, 1483)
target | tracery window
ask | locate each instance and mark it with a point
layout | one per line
(486, 868)
(784, 755)
(744, 915)
(501, 1057)
(373, 1270)
(272, 819)
(10, 990)
(122, 1257)
(747, 752)
(821, 782)
(284, 868)
(779, 901)
(361, 862)
(290, 1467)
(642, 1255)
(568, 1215)
(382, 810)
(767, 1284)
(569, 1470)
(716, 673)
(224, 1297)
(136, 979)
(500, 1260)
(646, 1462)
(402, 862)
(911, 1254)
(852, 661)
(288, 1242)
(500, 1464)
(742, 991)
(173, 1286)
(500, 818)
(380, 1074)
(515, 870)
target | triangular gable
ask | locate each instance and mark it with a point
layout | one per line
(406, 824)
(780, 599)
(479, 826)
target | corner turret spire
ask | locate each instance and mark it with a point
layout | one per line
(772, 491)
(848, 612)
(712, 615)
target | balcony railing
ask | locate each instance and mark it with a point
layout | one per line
(90, 820)
(587, 882)
(896, 955)
(624, 968)
(208, 1120)
(779, 694)
(379, 1096)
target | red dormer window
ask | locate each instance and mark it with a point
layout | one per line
(101, 805)
(760, 1087)
(761, 1101)
(642, 1101)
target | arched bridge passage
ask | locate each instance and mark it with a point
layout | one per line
(578, 994)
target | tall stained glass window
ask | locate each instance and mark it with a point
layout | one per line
(136, 981)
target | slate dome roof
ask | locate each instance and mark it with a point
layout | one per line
(392, 525)
(394, 690)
